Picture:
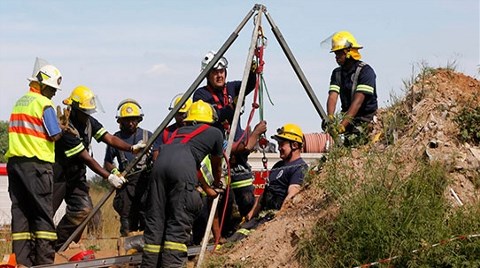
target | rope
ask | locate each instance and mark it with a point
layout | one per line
(227, 160)
(259, 72)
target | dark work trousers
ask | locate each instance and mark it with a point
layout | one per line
(30, 184)
(200, 223)
(71, 185)
(128, 203)
(173, 204)
(245, 199)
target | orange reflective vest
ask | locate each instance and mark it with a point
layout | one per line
(27, 135)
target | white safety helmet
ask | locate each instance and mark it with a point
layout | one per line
(47, 75)
(222, 63)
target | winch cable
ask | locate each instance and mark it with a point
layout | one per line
(259, 51)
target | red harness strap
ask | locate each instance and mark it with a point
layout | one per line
(217, 100)
(187, 136)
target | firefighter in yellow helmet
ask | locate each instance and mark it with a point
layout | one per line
(179, 116)
(355, 82)
(173, 201)
(284, 181)
(128, 199)
(73, 155)
(32, 131)
(286, 176)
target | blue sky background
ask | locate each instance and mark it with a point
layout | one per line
(151, 50)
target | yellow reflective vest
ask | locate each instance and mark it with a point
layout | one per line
(27, 135)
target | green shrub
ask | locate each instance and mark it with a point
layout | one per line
(468, 121)
(388, 217)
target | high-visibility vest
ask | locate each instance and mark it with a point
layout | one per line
(27, 135)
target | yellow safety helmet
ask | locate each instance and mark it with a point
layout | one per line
(129, 108)
(342, 40)
(202, 112)
(185, 106)
(289, 132)
(83, 98)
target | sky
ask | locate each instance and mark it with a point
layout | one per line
(151, 50)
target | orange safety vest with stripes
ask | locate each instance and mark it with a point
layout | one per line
(27, 135)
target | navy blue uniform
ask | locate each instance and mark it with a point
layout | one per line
(223, 101)
(242, 179)
(281, 177)
(70, 176)
(128, 199)
(341, 82)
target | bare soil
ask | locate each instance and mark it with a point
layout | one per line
(430, 106)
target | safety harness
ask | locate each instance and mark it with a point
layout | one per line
(355, 77)
(186, 136)
(142, 164)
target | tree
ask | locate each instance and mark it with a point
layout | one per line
(3, 140)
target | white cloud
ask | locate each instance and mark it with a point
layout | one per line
(158, 69)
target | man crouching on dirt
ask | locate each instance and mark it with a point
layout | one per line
(284, 181)
(173, 201)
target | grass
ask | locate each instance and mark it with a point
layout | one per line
(387, 216)
(103, 238)
(390, 208)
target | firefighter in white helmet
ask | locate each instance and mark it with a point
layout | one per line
(220, 93)
(32, 131)
(128, 199)
(173, 201)
(73, 155)
(355, 82)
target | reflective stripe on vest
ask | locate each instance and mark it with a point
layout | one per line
(206, 169)
(242, 183)
(169, 245)
(27, 135)
(243, 231)
(150, 248)
(22, 236)
(46, 235)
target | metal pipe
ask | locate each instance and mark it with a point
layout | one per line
(163, 125)
(233, 126)
(296, 68)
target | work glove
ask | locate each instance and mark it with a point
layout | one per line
(326, 124)
(64, 121)
(135, 149)
(63, 118)
(254, 66)
(116, 180)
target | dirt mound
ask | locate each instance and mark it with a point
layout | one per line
(421, 124)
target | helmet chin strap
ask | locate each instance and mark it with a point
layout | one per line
(289, 156)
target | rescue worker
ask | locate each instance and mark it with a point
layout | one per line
(355, 82)
(173, 201)
(220, 93)
(179, 116)
(73, 157)
(128, 199)
(241, 171)
(284, 181)
(32, 132)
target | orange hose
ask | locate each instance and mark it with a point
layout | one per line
(317, 142)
